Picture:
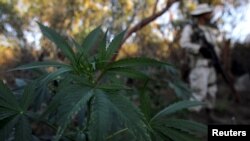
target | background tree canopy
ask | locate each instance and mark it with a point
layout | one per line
(78, 17)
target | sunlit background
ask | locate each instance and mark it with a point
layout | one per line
(233, 17)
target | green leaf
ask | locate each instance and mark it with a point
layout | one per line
(6, 127)
(158, 136)
(72, 103)
(113, 87)
(7, 99)
(176, 107)
(102, 50)
(128, 72)
(12, 116)
(23, 130)
(58, 40)
(41, 93)
(120, 135)
(81, 79)
(5, 113)
(5, 104)
(75, 44)
(177, 135)
(145, 103)
(65, 87)
(54, 74)
(28, 96)
(187, 126)
(135, 62)
(40, 65)
(130, 116)
(100, 117)
(114, 45)
(180, 88)
(91, 40)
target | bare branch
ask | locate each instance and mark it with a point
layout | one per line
(144, 22)
(147, 20)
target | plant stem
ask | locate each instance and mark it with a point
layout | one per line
(100, 77)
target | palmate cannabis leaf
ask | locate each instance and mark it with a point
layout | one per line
(91, 40)
(70, 105)
(175, 108)
(181, 89)
(40, 65)
(100, 117)
(138, 62)
(114, 45)
(102, 105)
(13, 114)
(101, 53)
(177, 135)
(58, 40)
(177, 129)
(186, 125)
(131, 116)
(145, 102)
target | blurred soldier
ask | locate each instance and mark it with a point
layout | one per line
(202, 77)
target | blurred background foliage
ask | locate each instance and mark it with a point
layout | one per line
(76, 18)
(21, 40)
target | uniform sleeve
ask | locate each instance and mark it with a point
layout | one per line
(185, 40)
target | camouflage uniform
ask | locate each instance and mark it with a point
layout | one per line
(202, 77)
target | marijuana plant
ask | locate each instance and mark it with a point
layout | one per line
(90, 102)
